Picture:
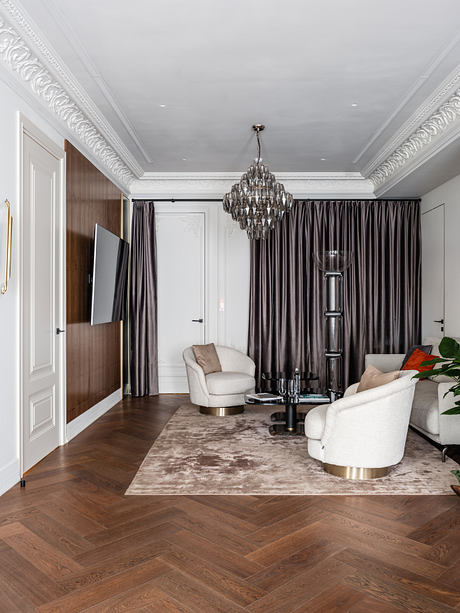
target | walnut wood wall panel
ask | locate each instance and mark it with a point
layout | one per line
(93, 352)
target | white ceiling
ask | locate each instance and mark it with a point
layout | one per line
(220, 65)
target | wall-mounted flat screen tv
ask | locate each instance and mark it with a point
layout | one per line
(110, 277)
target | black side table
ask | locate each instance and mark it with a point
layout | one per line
(289, 386)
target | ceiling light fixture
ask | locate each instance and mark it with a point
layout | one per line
(258, 202)
(354, 104)
(162, 106)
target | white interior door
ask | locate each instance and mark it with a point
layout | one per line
(181, 293)
(433, 267)
(42, 350)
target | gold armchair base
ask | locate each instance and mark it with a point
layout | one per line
(356, 472)
(222, 411)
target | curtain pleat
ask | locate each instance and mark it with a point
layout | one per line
(382, 286)
(143, 301)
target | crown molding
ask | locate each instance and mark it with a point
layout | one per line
(216, 184)
(432, 127)
(428, 106)
(435, 133)
(39, 69)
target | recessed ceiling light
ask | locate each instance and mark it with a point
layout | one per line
(163, 106)
(184, 159)
(354, 104)
(323, 159)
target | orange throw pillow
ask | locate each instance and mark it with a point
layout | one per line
(415, 361)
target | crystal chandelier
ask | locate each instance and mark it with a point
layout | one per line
(258, 201)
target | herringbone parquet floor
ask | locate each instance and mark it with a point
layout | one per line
(71, 541)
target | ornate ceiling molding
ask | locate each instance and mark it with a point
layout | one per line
(428, 138)
(39, 69)
(215, 185)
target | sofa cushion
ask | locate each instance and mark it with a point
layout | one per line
(425, 348)
(425, 411)
(373, 377)
(315, 421)
(220, 383)
(417, 359)
(207, 358)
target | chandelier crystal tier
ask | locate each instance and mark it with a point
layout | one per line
(258, 202)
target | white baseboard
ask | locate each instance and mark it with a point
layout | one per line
(84, 420)
(9, 475)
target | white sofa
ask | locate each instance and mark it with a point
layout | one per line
(220, 393)
(361, 435)
(429, 401)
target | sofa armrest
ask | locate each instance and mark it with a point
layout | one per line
(449, 425)
(386, 362)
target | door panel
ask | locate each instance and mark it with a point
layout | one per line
(181, 293)
(433, 264)
(41, 296)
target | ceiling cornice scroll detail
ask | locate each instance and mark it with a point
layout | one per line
(435, 132)
(48, 80)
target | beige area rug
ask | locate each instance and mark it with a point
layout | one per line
(202, 454)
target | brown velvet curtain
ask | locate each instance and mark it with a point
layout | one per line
(382, 299)
(143, 301)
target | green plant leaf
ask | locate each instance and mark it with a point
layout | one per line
(434, 361)
(449, 348)
(453, 411)
(457, 474)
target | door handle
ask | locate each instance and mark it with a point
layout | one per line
(199, 321)
(438, 321)
(59, 331)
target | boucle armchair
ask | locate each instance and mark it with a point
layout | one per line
(361, 435)
(429, 400)
(220, 393)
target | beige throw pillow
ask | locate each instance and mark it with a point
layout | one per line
(373, 377)
(207, 358)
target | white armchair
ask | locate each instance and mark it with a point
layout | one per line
(360, 436)
(220, 393)
(429, 401)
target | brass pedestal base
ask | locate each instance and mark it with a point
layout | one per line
(356, 472)
(222, 411)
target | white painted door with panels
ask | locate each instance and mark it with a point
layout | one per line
(182, 289)
(433, 272)
(42, 356)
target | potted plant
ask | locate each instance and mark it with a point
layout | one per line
(448, 364)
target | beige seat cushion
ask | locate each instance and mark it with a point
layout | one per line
(425, 411)
(221, 383)
(315, 421)
(207, 358)
(373, 377)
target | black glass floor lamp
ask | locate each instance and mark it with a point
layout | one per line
(333, 264)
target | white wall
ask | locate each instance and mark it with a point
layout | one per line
(10, 106)
(449, 194)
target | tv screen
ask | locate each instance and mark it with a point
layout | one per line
(110, 277)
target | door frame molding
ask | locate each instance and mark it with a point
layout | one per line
(27, 127)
